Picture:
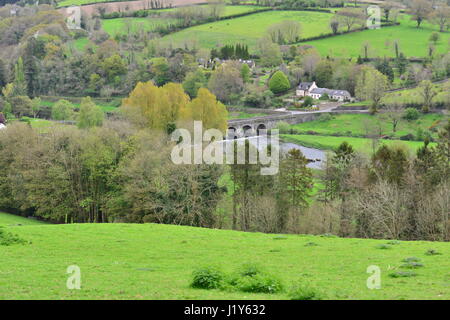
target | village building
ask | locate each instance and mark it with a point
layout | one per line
(310, 89)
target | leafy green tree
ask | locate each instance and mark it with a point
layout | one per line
(296, 178)
(3, 74)
(90, 115)
(371, 85)
(279, 83)
(194, 81)
(62, 110)
(428, 92)
(245, 72)
(20, 85)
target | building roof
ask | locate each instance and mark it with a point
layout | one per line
(330, 92)
(305, 85)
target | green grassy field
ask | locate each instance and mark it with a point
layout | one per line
(413, 41)
(148, 261)
(357, 125)
(119, 25)
(250, 28)
(363, 145)
(106, 107)
(7, 219)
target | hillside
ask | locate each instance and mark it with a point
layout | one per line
(150, 261)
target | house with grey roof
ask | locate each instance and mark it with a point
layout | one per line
(312, 90)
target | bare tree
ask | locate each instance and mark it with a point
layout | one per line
(419, 9)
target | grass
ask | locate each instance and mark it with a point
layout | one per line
(149, 261)
(250, 28)
(357, 125)
(106, 107)
(363, 145)
(413, 41)
(243, 115)
(7, 219)
(119, 25)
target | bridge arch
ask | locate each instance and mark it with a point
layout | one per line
(260, 128)
(232, 133)
(247, 130)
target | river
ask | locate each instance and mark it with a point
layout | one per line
(316, 156)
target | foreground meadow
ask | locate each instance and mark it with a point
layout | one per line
(150, 261)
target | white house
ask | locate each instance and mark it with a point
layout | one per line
(312, 90)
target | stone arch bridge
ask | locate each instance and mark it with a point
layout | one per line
(240, 128)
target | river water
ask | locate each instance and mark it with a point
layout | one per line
(316, 156)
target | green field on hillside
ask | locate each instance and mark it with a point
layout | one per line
(360, 125)
(250, 28)
(150, 23)
(363, 145)
(413, 41)
(149, 261)
(121, 25)
(7, 219)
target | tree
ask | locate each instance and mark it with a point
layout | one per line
(245, 72)
(434, 37)
(207, 109)
(296, 178)
(324, 73)
(441, 17)
(21, 106)
(334, 25)
(90, 115)
(279, 83)
(62, 110)
(20, 85)
(3, 74)
(113, 66)
(194, 80)
(349, 17)
(394, 113)
(428, 92)
(149, 106)
(419, 9)
(371, 85)
(270, 53)
(226, 82)
(391, 164)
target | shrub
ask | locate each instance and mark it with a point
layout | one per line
(7, 238)
(307, 102)
(259, 283)
(412, 265)
(325, 117)
(411, 114)
(283, 127)
(402, 274)
(249, 270)
(305, 292)
(432, 252)
(407, 137)
(411, 259)
(279, 83)
(207, 278)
